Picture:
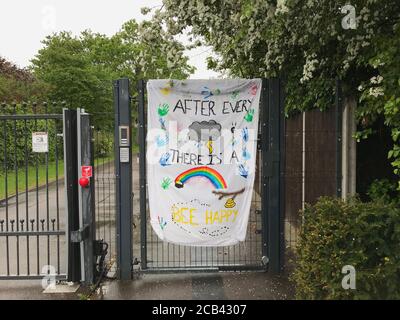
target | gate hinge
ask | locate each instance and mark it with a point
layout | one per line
(80, 235)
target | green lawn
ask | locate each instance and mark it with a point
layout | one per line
(31, 174)
(11, 177)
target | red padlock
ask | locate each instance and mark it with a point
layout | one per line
(84, 182)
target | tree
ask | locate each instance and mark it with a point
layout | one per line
(80, 69)
(17, 85)
(305, 43)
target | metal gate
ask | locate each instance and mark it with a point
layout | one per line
(263, 247)
(160, 256)
(32, 220)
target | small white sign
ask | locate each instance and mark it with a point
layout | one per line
(124, 155)
(40, 142)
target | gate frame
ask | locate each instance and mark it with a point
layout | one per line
(272, 123)
(123, 185)
(273, 172)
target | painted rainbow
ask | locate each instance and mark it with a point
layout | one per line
(212, 175)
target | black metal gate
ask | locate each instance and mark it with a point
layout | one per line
(32, 220)
(263, 246)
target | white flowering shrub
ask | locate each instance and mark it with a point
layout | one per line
(305, 43)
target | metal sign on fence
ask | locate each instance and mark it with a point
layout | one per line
(40, 142)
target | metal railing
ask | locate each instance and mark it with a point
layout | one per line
(32, 222)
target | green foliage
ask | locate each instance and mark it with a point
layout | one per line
(18, 85)
(385, 191)
(80, 69)
(305, 43)
(103, 144)
(337, 233)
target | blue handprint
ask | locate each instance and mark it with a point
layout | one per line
(164, 159)
(243, 171)
(245, 134)
(161, 141)
(162, 223)
(162, 122)
(207, 93)
(245, 154)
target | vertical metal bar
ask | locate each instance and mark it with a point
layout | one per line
(57, 205)
(303, 161)
(26, 197)
(37, 200)
(142, 174)
(282, 174)
(71, 193)
(338, 115)
(109, 180)
(47, 190)
(6, 194)
(104, 196)
(274, 180)
(97, 191)
(80, 205)
(264, 106)
(123, 172)
(16, 182)
(86, 197)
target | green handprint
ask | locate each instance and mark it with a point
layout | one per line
(235, 94)
(249, 115)
(163, 109)
(165, 183)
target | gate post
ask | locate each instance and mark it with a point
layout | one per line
(71, 194)
(86, 235)
(272, 142)
(142, 175)
(123, 174)
(338, 129)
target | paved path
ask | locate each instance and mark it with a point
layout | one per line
(186, 286)
(200, 286)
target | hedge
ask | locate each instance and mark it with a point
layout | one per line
(336, 233)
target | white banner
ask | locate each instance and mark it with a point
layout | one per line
(201, 153)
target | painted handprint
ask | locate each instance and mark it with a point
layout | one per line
(162, 223)
(245, 134)
(162, 140)
(162, 123)
(249, 115)
(235, 94)
(253, 89)
(243, 171)
(206, 93)
(246, 154)
(164, 159)
(163, 109)
(165, 183)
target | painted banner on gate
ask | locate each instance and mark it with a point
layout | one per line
(201, 153)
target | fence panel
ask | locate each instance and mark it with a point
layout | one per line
(32, 220)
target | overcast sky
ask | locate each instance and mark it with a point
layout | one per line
(24, 23)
